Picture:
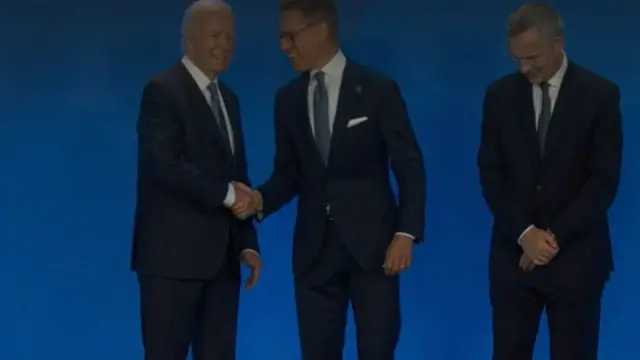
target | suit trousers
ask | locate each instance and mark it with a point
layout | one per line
(573, 316)
(201, 313)
(322, 299)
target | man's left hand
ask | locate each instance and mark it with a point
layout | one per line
(527, 264)
(253, 262)
(556, 247)
(398, 256)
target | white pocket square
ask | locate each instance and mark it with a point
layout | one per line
(356, 121)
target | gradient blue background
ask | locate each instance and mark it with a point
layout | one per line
(70, 82)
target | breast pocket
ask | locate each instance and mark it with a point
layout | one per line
(359, 126)
(360, 133)
(357, 121)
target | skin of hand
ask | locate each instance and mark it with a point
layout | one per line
(540, 246)
(398, 257)
(254, 263)
(248, 201)
(526, 264)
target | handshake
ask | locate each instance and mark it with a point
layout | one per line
(248, 201)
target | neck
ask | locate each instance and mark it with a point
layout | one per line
(559, 62)
(326, 56)
(209, 73)
(557, 65)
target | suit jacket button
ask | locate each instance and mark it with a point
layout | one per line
(538, 187)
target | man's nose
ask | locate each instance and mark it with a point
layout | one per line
(285, 46)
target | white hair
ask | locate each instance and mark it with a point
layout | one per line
(197, 9)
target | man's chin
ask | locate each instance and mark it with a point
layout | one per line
(536, 80)
(220, 66)
(296, 65)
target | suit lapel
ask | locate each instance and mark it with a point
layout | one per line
(201, 108)
(348, 99)
(526, 118)
(561, 116)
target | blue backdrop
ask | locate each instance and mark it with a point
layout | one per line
(71, 78)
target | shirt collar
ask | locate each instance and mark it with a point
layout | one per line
(200, 78)
(556, 79)
(335, 67)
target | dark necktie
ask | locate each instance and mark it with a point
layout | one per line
(545, 116)
(321, 126)
(216, 108)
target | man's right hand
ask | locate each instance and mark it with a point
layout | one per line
(525, 263)
(540, 246)
(248, 201)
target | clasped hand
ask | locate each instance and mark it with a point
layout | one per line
(540, 247)
(248, 201)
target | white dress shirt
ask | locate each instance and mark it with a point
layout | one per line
(332, 80)
(333, 72)
(554, 88)
(203, 82)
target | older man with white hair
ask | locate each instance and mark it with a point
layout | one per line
(187, 244)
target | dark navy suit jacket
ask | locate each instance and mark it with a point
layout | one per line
(569, 190)
(182, 230)
(356, 181)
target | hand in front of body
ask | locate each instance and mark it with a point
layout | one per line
(251, 259)
(525, 263)
(248, 201)
(398, 256)
(539, 246)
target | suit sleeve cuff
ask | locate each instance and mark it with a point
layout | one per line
(260, 209)
(524, 233)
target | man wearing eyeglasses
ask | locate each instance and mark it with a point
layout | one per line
(549, 161)
(337, 126)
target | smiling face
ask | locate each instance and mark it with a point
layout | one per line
(301, 40)
(538, 57)
(210, 42)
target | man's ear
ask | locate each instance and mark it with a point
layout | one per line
(558, 44)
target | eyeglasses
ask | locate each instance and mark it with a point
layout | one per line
(291, 36)
(528, 61)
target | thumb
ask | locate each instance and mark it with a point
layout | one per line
(252, 280)
(387, 256)
(552, 237)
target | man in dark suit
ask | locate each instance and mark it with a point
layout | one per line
(549, 163)
(337, 126)
(187, 242)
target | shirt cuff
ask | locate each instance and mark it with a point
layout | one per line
(524, 233)
(230, 199)
(413, 238)
(249, 250)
